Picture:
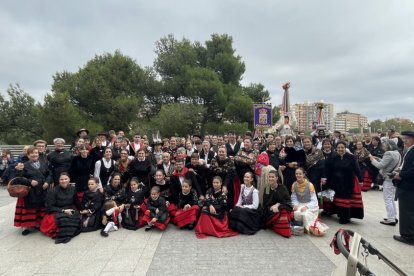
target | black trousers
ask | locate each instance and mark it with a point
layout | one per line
(406, 207)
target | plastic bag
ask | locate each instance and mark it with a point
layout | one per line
(318, 228)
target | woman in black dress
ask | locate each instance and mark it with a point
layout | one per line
(81, 169)
(62, 221)
(30, 210)
(344, 177)
(295, 158)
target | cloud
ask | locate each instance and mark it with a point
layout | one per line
(357, 55)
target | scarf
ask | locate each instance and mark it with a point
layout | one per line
(182, 173)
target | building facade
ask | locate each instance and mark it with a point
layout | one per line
(307, 115)
(346, 120)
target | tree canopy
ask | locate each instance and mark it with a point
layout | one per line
(192, 86)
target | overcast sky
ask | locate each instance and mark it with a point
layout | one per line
(358, 55)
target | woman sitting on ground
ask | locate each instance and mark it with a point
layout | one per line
(213, 220)
(277, 206)
(245, 216)
(62, 221)
(304, 200)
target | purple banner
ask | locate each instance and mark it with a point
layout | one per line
(262, 115)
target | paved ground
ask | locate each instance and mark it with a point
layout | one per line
(178, 252)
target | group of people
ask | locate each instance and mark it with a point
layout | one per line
(219, 185)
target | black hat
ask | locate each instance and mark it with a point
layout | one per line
(198, 136)
(103, 133)
(408, 133)
(82, 129)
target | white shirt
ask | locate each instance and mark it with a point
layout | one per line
(246, 192)
(97, 171)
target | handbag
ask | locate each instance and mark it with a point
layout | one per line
(16, 189)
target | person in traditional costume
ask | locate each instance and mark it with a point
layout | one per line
(293, 159)
(59, 159)
(187, 209)
(304, 200)
(30, 210)
(97, 152)
(387, 164)
(199, 171)
(104, 168)
(135, 145)
(122, 166)
(262, 169)
(90, 207)
(223, 166)
(141, 168)
(81, 169)
(62, 221)
(362, 155)
(213, 220)
(272, 150)
(41, 146)
(377, 151)
(277, 206)
(245, 217)
(156, 213)
(166, 165)
(315, 167)
(112, 217)
(405, 191)
(116, 149)
(232, 145)
(132, 217)
(180, 173)
(245, 159)
(344, 177)
(115, 191)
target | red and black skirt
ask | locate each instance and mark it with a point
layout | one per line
(27, 217)
(280, 223)
(352, 207)
(209, 225)
(183, 218)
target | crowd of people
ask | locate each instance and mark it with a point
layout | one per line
(218, 185)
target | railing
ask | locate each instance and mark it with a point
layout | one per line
(17, 150)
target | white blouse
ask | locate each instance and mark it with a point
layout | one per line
(246, 191)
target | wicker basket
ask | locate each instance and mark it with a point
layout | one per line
(16, 189)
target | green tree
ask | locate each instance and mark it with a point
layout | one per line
(178, 119)
(220, 56)
(108, 90)
(257, 92)
(275, 114)
(20, 121)
(62, 119)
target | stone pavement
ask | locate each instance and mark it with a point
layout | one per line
(179, 252)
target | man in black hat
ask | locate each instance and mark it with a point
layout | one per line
(103, 136)
(81, 134)
(405, 191)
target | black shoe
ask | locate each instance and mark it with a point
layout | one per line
(191, 226)
(386, 222)
(104, 234)
(396, 220)
(149, 227)
(403, 240)
(26, 232)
